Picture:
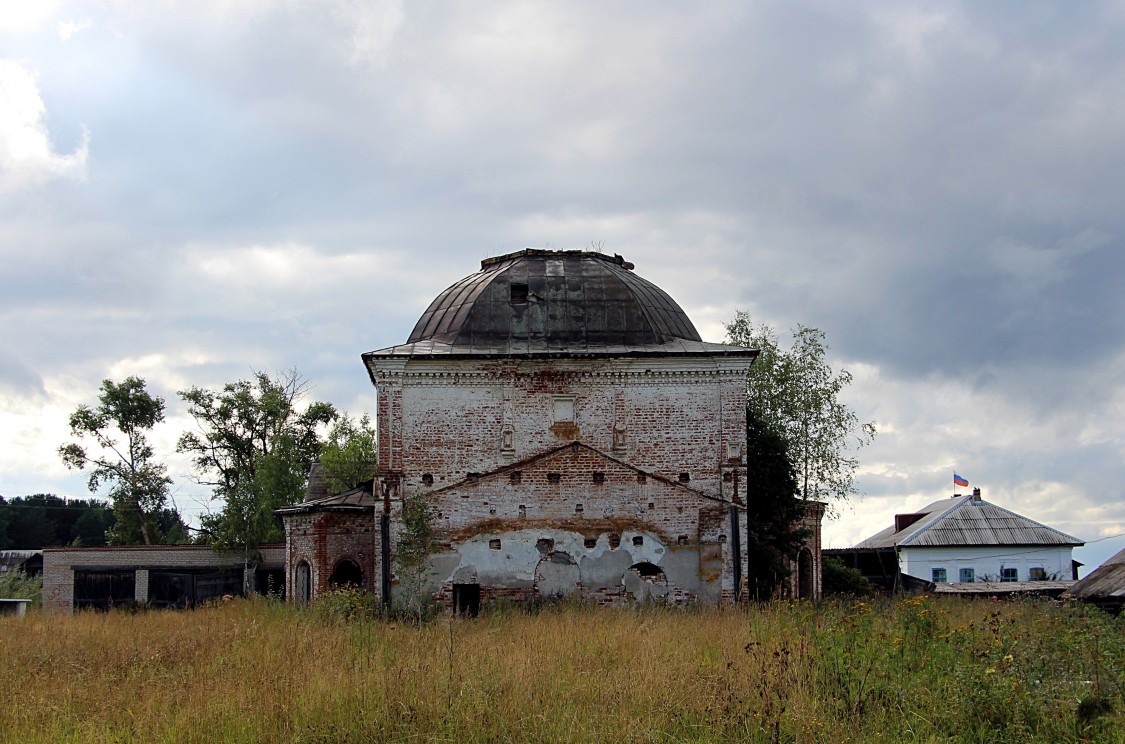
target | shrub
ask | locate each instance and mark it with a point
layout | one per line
(836, 578)
(18, 585)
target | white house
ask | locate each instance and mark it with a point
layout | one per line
(965, 539)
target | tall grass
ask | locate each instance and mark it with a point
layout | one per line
(908, 670)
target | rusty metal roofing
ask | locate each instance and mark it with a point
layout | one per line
(539, 302)
(1107, 581)
(361, 498)
(968, 521)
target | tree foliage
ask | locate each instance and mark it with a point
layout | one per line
(350, 455)
(798, 393)
(18, 585)
(123, 459)
(416, 542)
(43, 519)
(838, 578)
(254, 445)
(773, 509)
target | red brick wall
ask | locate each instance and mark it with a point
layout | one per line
(326, 538)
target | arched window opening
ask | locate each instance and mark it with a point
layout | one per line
(805, 575)
(346, 573)
(304, 582)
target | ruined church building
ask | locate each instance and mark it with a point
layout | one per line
(573, 436)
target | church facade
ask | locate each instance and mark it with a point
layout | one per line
(571, 434)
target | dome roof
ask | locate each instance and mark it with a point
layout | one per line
(553, 300)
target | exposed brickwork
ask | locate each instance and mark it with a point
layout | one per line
(324, 539)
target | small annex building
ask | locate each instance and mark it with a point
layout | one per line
(572, 435)
(965, 544)
(162, 576)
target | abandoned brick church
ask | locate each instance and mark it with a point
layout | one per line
(572, 434)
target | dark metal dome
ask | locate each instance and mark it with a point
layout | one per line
(553, 301)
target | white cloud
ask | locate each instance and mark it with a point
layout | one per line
(24, 16)
(70, 27)
(27, 156)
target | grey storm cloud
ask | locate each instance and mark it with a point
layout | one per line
(212, 188)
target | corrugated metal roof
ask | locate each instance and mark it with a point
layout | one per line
(361, 498)
(1107, 581)
(968, 520)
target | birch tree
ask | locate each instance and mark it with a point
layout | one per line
(121, 457)
(798, 393)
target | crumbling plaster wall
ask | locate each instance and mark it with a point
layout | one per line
(445, 423)
(574, 522)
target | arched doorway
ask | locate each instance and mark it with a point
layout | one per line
(346, 573)
(805, 575)
(646, 581)
(304, 583)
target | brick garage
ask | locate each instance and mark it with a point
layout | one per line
(159, 575)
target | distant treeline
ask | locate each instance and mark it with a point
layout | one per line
(43, 520)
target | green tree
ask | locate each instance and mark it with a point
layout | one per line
(123, 460)
(18, 585)
(773, 509)
(254, 446)
(837, 578)
(350, 455)
(416, 542)
(797, 392)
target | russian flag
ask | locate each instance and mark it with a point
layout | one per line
(959, 481)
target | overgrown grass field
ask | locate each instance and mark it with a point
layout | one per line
(920, 669)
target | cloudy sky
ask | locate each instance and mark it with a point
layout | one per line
(193, 191)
